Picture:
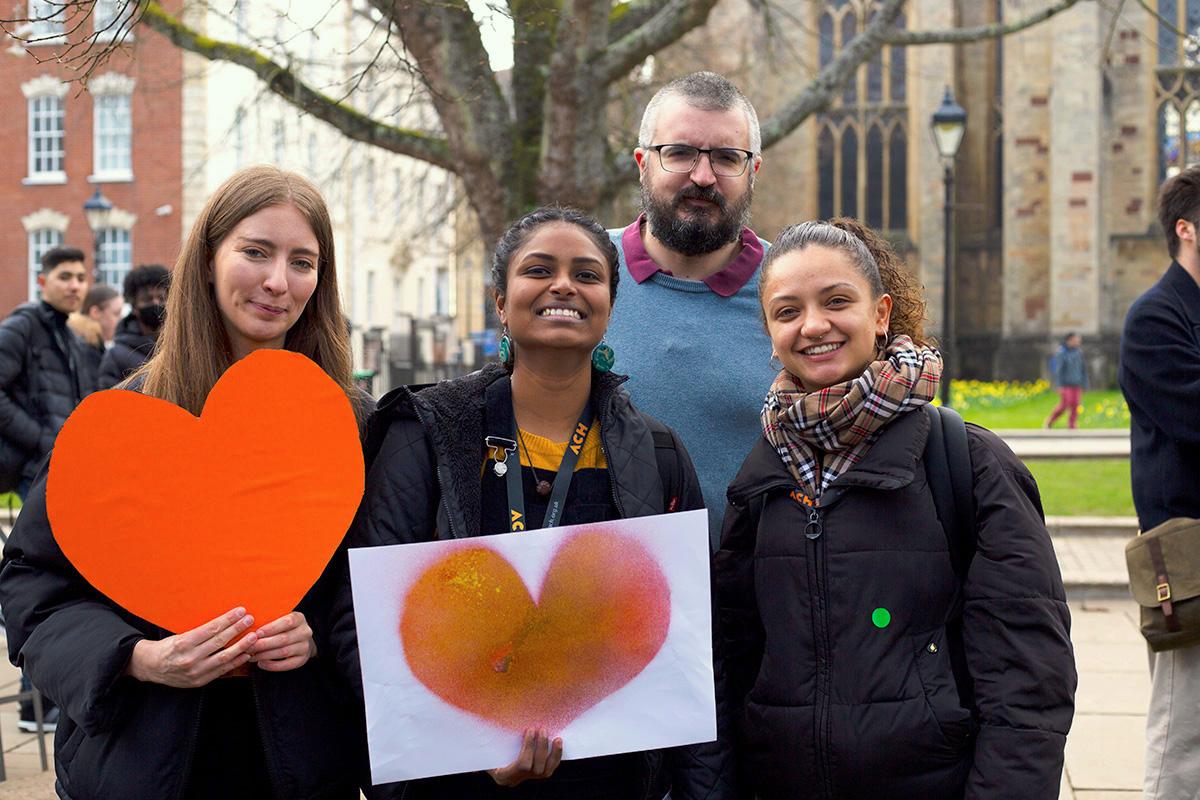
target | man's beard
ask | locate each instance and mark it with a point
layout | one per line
(692, 234)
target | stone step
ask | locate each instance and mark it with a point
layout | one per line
(1027, 448)
(1123, 527)
(1063, 433)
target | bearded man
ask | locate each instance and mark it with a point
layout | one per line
(688, 331)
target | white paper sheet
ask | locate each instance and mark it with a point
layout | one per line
(415, 733)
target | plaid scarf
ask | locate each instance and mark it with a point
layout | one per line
(830, 430)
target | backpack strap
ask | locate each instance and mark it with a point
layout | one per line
(947, 460)
(667, 456)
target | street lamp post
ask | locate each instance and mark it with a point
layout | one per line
(949, 123)
(97, 209)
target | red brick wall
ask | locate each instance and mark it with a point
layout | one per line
(156, 109)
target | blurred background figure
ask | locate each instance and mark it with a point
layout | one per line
(146, 292)
(1068, 373)
(96, 322)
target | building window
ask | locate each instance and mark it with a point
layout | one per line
(442, 293)
(862, 141)
(112, 135)
(46, 21)
(112, 19)
(46, 137)
(1178, 86)
(40, 241)
(116, 256)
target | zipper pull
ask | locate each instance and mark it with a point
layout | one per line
(813, 529)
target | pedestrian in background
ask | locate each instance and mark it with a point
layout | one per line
(1068, 373)
(864, 658)
(237, 708)
(96, 322)
(146, 292)
(1160, 378)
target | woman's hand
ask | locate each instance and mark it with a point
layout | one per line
(538, 759)
(194, 658)
(287, 643)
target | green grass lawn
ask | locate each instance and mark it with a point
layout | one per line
(1101, 409)
(1084, 487)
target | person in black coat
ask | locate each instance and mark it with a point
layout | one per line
(1160, 378)
(145, 290)
(45, 370)
(238, 707)
(859, 665)
(555, 274)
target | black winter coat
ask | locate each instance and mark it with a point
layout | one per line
(44, 374)
(827, 703)
(130, 350)
(122, 738)
(1160, 377)
(424, 484)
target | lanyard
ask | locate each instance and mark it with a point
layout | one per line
(501, 418)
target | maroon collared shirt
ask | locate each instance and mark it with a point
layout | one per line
(726, 282)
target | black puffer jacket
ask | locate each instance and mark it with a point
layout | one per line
(44, 374)
(130, 350)
(836, 700)
(121, 738)
(424, 484)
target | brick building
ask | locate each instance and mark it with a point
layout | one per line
(121, 136)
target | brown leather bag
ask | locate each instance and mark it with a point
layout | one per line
(1164, 577)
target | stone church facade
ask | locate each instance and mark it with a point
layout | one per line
(1072, 125)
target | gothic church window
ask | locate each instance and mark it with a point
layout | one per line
(1177, 86)
(862, 140)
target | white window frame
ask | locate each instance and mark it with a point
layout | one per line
(46, 107)
(112, 137)
(46, 22)
(110, 17)
(40, 240)
(116, 255)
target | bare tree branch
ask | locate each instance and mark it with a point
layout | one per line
(626, 17)
(668, 25)
(281, 81)
(821, 91)
(978, 32)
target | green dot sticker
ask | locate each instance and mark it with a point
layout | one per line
(881, 617)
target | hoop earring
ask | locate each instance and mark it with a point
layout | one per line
(505, 350)
(774, 361)
(882, 341)
(603, 357)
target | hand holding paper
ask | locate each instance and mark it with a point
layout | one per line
(286, 643)
(538, 759)
(194, 658)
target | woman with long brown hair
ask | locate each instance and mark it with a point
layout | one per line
(203, 713)
(877, 642)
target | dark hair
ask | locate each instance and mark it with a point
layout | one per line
(98, 295)
(1179, 198)
(1068, 337)
(523, 228)
(145, 276)
(872, 256)
(60, 255)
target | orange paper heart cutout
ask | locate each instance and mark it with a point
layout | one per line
(473, 635)
(179, 519)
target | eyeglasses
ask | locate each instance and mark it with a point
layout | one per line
(727, 162)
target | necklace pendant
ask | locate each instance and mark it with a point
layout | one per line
(543, 488)
(500, 468)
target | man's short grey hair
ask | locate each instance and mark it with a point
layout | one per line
(704, 90)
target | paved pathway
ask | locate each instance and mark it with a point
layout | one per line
(1077, 443)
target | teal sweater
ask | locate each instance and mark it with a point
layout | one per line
(698, 362)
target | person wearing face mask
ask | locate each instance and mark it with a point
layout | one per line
(869, 651)
(146, 292)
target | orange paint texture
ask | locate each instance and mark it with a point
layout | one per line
(475, 637)
(243, 506)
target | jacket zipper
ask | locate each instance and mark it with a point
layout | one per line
(191, 756)
(262, 734)
(612, 481)
(813, 531)
(437, 471)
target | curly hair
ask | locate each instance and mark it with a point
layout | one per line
(908, 295)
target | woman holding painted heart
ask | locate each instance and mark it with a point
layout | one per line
(488, 453)
(872, 651)
(237, 707)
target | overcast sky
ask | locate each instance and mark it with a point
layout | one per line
(496, 28)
